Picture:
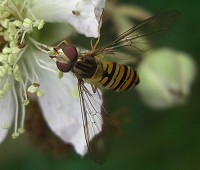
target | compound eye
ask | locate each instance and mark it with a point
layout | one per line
(63, 67)
(71, 52)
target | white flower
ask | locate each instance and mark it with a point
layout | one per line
(166, 77)
(23, 68)
(83, 15)
(61, 107)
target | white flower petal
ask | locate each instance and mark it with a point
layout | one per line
(86, 22)
(61, 108)
(7, 106)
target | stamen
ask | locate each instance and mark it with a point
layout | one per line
(24, 85)
(3, 71)
(14, 9)
(33, 89)
(5, 23)
(17, 73)
(40, 65)
(27, 24)
(14, 28)
(2, 82)
(28, 77)
(15, 134)
(4, 10)
(22, 113)
(21, 130)
(42, 47)
(34, 74)
(23, 35)
(20, 55)
(16, 35)
(30, 12)
(40, 93)
(5, 89)
(23, 6)
(5, 125)
(25, 102)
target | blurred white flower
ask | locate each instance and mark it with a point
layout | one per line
(23, 68)
(166, 77)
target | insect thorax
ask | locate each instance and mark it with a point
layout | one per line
(85, 67)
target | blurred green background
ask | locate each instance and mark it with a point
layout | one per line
(147, 139)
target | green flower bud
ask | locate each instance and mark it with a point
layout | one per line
(165, 77)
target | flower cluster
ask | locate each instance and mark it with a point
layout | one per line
(14, 27)
(25, 69)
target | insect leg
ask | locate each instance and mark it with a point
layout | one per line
(62, 42)
(94, 88)
(98, 39)
(46, 49)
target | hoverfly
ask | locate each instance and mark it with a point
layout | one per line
(88, 68)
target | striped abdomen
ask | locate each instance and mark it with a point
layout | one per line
(117, 76)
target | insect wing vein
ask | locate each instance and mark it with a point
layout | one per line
(96, 123)
(143, 36)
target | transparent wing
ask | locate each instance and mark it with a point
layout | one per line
(97, 124)
(143, 36)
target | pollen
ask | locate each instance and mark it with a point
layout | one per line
(15, 135)
(74, 93)
(25, 102)
(40, 93)
(33, 89)
(59, 74)
(21, 130)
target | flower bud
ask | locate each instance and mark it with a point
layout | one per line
(166, 77)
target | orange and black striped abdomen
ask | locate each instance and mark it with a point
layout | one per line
(117, 76)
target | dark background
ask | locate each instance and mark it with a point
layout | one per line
(147, 139)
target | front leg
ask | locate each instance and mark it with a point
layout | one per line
(94, 88)
(62, 42)
(98, 39)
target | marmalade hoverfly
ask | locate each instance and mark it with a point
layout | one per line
(87, 67)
